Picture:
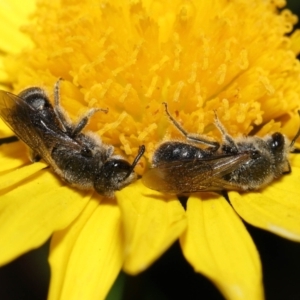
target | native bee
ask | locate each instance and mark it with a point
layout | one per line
(241, 164)
(80, 159)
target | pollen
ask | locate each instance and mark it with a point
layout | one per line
(237, 59)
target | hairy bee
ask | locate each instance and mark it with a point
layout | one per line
(81, 159)
(241, 164)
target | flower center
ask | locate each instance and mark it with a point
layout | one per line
(198, 56)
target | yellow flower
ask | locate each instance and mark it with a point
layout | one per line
(130, 56)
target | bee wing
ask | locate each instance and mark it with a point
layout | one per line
(40, 136)
(187, 176)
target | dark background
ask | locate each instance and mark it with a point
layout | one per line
(170, 277)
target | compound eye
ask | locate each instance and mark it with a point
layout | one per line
(277, 141)
(114, 168)
(86, 152)
(120, 166)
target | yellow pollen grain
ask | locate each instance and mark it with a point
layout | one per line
(127, 88)
(221, 73)
(289, 16)
(205, 53)
(105, 87)
(116, 71)
(198, 95)
(225, 110)
(97, 91)
(136, 51)
(101, 58)
(241, 115)
(158, 66)
(147, 131)
(255, 111)
(126, 65)
(272, 126)
(105, 36)
(178, 50)
(93, 102)
(244, 62)
(280, 3)
(228, 44)
(180, 86)
(126, 145)
(152, 86)
(113, 125)
(193, 75)
(61, 52)
(267, 85)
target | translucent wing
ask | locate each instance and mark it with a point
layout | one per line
(187, 176)
(30, 126)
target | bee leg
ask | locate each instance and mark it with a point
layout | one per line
(224, 133)
(84, 120)
(295, 150)
(8, 140)
(59, 111)
(192, 137)
(62, 116)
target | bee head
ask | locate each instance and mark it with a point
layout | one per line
(114, 175)
(279, 148)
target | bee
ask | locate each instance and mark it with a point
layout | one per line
(240, 164)
(79, 158)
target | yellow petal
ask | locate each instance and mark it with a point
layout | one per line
(12, 178)
(151, 222)
(295, 159)
(218, 245)
(4, 129)
(61, 246)
(276, 208)
(295, 39)
(13, 155)
(30, 213)
(86, 257)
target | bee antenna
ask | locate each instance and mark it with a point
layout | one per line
(137, 158)
(297, 134)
